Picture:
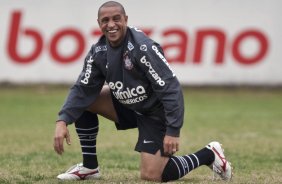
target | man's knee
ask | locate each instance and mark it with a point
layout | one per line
(150, 174)
(152, 166)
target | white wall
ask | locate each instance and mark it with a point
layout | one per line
(46, 41)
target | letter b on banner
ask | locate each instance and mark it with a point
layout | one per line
(13, 38)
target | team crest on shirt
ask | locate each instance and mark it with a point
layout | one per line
(127, 61)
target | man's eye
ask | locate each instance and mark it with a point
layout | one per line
(104, 21)
(116, 19)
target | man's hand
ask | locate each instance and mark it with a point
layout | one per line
(171, 145)
(61, 133)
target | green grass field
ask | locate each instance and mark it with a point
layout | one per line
(247, 121)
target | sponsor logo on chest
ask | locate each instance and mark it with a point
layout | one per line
(126, 95)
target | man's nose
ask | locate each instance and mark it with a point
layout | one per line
(111, 23)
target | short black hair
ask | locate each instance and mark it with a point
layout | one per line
(112, 4)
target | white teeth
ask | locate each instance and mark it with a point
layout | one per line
(112, 31)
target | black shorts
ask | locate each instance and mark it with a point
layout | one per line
(151, 128)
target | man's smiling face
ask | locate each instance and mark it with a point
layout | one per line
(113, 24)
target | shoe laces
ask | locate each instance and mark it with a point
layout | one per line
(73, 168)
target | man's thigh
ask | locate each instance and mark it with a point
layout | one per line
(106, 105)
(103, 105)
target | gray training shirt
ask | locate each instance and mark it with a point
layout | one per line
(139, 78)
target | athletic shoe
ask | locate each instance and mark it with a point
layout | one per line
(220, 166)
(78, 172)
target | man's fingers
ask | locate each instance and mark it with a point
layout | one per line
(165, 149)
(171, 145)
(58, 145)
(61, 133)
(68, 140)
(176, 147)
(168, 148)
(61, 145)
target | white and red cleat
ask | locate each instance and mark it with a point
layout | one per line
(78, 172)
(220, 166)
